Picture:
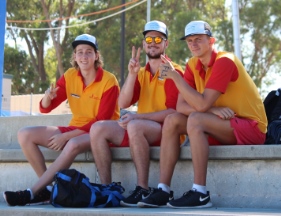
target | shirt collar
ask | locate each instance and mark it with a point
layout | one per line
(199, 64)
(98, 75)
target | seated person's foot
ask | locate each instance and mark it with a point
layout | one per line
(157, 198)
(42, 197)
(18, 198)
(22, 198)
(136, 195)
(192, 199)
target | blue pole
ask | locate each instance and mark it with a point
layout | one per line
(2, 45)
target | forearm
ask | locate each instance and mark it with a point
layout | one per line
(73, 133)
(127, 91)
(195, 100)
(155, 116)
(185, 108)
(46, 101)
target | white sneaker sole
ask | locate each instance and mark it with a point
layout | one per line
(208, 205)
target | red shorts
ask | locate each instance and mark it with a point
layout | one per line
(125, 142)
(246, 132)
(67, 129)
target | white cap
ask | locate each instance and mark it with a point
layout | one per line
(156, 26)
(85, 39)
(197, 27)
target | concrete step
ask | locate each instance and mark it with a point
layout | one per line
(49, 210)
(238, 176)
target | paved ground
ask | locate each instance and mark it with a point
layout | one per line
(46, 210)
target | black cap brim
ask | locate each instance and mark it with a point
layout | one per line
(183, 38)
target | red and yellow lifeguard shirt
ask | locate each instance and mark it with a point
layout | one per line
(226, 74)
(154, 93)
(97, 101)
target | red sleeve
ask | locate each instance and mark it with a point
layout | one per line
(137, 89)
(106, 108)
(61, 96)
(189, 77)
(224, 71)
(171, 93)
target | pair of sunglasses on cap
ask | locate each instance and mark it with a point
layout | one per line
(156, 40)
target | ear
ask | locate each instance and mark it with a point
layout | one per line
(212, 40)
(97, 56)
(74, 56)
(166, 43)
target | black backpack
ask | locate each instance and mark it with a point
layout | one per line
(73, 189)
(272, 104)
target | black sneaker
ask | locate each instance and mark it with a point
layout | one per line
(192, 199)
(136, 195)
(18, 198)
(157, 198)
(43, 197)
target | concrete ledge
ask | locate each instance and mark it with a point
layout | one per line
(238, 176)
(251, 152)
(48, 210)
(11, 125)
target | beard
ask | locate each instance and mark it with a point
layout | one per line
(153, 55)
(156, 56)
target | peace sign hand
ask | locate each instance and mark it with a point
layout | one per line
(51, 92)
(166, 68)
(134, 63)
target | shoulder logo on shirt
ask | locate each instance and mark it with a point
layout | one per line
(94, 97)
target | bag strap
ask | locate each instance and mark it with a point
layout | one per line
(113, 196)
(93, 189)
(63, 176)
(54, 194)
(113, 191)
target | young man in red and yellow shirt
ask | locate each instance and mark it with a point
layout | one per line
(156, 98)
(218, 104)
(92, 94)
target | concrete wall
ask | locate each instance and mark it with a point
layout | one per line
(29, 104)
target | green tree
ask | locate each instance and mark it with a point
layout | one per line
(18, 64)
(29, 14)
(260, 26)
(259, 20)
(35, 40)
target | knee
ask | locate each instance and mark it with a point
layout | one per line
(24, 134)
(71, 148)
(194, 122)
(134, 127)
(96, 130)
(171, 122)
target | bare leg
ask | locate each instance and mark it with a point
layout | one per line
(29, 139)
(174, 126)
(141, 134)
(102, 133)
(72, 148)
(200, 125)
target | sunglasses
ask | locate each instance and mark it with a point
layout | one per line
(156, 40)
